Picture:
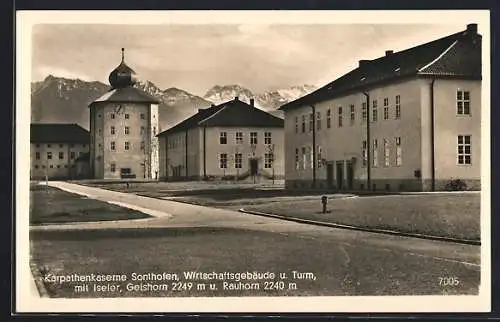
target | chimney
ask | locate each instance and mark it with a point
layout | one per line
(363, 62)
(252, 101)
(472, 28)
(236, 98)
(389, 52)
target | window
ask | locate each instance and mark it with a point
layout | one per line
(84, 145)
(112, 167)
(143, 116)
(154, 130)
(127, 116)
(49, 145)
(112, 129)
(365, 155)
(58, 166)
(98, 115)
(37, 145)
(127, 145)
(386, 108)
(374, 111)
(37, 155)
(398, 107)
(51, 166)
(142, 130)
(303, 123)
(297, 160)
(49, 155)
(100, 131)
(318, 121)
(311, 122)
(43, 166)
(364, 112)
(353, 115)
(386, 153)
(463, 102)
(267, 138)
(72, 155)
(238, 160)
(268, 160)
(329, 118)
(65, 166)
(60, 145)
(253, 137)
(311, 159)
(223, 160)
(340, 116)
(319, 157)
(399, 155)
(296, 124)
(113, 145)
(239, 137)
(127, 130)
(142, 145)
(112, 115)
(61, 155)
(223, 138)
(304, 156)
(36, 166)
(375, 153)
(464, 149)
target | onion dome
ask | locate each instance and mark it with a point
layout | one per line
(122, 76)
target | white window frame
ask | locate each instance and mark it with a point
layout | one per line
(399, 152)
(268, 138)
(374, 111)
(387, 161)
(375, 153)
(398, 107)
(364, 152)
(364, 112)
(253, 138)
(328, 118)
(239, 137)
(462, 101)
(318, 121)
(223, 160)
(223, 138)
(268, 160)
(353, 114)
(297, 159)
(463, 146)
(238, 160)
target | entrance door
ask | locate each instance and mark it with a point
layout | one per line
(350, 175)
(254, 166)
(340, 175)
(329, 174)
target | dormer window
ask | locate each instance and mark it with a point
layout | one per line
(397, 69)
(362, 79)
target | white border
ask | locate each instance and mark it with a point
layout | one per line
(27, 301)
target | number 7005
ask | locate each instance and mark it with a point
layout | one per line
(449, 281)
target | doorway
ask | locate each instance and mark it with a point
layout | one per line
(340, 175)
(329, 174)
(254, 166)
(350, 175)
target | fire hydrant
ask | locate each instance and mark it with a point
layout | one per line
(324, 201)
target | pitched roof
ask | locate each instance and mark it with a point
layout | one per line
(455, 56)
(126, 94)
(58, 133)
(234, 113)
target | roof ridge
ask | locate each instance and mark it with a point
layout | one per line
(438, 57)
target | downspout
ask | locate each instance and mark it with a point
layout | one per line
(314, 145)
(433, 150)
(368, 138)
(186, 152)
(205, 152)
(167, 165)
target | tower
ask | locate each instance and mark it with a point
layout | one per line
(123, 128)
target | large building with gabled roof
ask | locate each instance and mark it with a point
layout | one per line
(123, 128)
(233, 140)
(409, 120)
(56, 149)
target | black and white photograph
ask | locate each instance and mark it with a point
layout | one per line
(246, 161)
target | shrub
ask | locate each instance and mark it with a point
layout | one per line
(456, 185)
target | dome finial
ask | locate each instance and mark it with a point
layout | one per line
(123, 54)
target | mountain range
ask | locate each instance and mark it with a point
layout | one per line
(63, 100)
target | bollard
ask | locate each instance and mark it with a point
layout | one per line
(324, 201)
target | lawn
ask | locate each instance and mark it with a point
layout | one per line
(49, 205)
(447, 215)
(338, 268)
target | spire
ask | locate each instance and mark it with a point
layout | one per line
(122, 76)
(123, 54)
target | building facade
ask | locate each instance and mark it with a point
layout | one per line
(233, 140)
(123, 128)
(409, 120)
(55, 150)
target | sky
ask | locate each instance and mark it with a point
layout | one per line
(194, 58)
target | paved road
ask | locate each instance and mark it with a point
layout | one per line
(356, 257)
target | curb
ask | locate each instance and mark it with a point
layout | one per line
(371, 230)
